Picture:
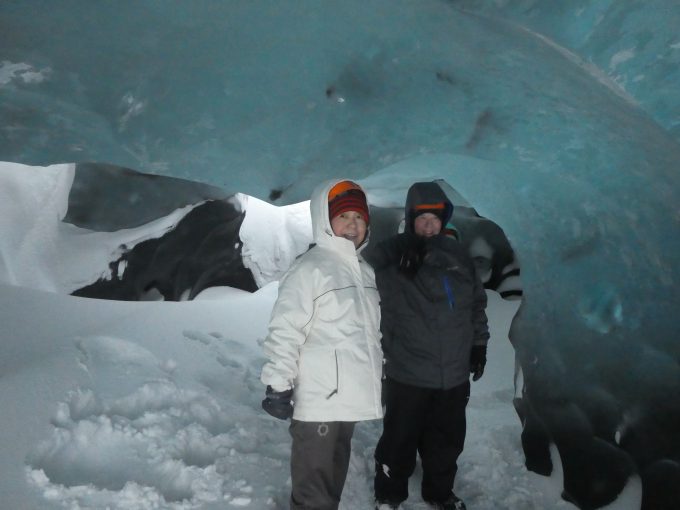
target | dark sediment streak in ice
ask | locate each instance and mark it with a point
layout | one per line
(203, 250)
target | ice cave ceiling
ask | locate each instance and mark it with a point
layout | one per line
(544, 118)
(562, 124)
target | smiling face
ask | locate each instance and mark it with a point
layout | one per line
(351, 225)
(427, 225)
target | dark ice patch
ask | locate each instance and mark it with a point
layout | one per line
(203, 250)
(106, 198)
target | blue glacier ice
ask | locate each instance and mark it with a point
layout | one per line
(559, 123)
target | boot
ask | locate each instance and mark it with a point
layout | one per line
(453, 502)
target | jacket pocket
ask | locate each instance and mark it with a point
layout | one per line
(318, 374)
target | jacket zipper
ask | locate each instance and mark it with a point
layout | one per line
(449, 292)
(337, 377)
(449, 295)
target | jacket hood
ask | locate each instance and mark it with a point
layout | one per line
(321, 223)
(425, 193)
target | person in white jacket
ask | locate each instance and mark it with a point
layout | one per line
(324, 363)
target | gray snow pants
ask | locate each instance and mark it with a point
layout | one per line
(319, 462)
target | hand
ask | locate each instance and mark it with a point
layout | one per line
(412, 256)
(477, 361)
(277, 403)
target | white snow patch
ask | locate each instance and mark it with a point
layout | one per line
(20, 71)
(621, 57)
(272, 237)
(39, 251)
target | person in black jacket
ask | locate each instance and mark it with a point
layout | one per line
(435, 332)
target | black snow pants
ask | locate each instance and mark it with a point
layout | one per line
(428, 421)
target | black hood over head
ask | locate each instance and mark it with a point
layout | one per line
(425, 193)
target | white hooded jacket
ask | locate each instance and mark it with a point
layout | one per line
(324, 333)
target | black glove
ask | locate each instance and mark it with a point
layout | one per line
(277, 403)
(412, 256)
(477, 361)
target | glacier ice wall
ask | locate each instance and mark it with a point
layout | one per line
(268, 98)
(635, 43)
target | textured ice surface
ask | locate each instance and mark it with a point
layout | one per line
(634, 43)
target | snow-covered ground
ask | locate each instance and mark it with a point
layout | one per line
(157, 405)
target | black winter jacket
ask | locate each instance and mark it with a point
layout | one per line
(431, 320)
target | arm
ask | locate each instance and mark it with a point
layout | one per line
(479, 319)
(385, 253)
(291, 315)
(481, 329)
